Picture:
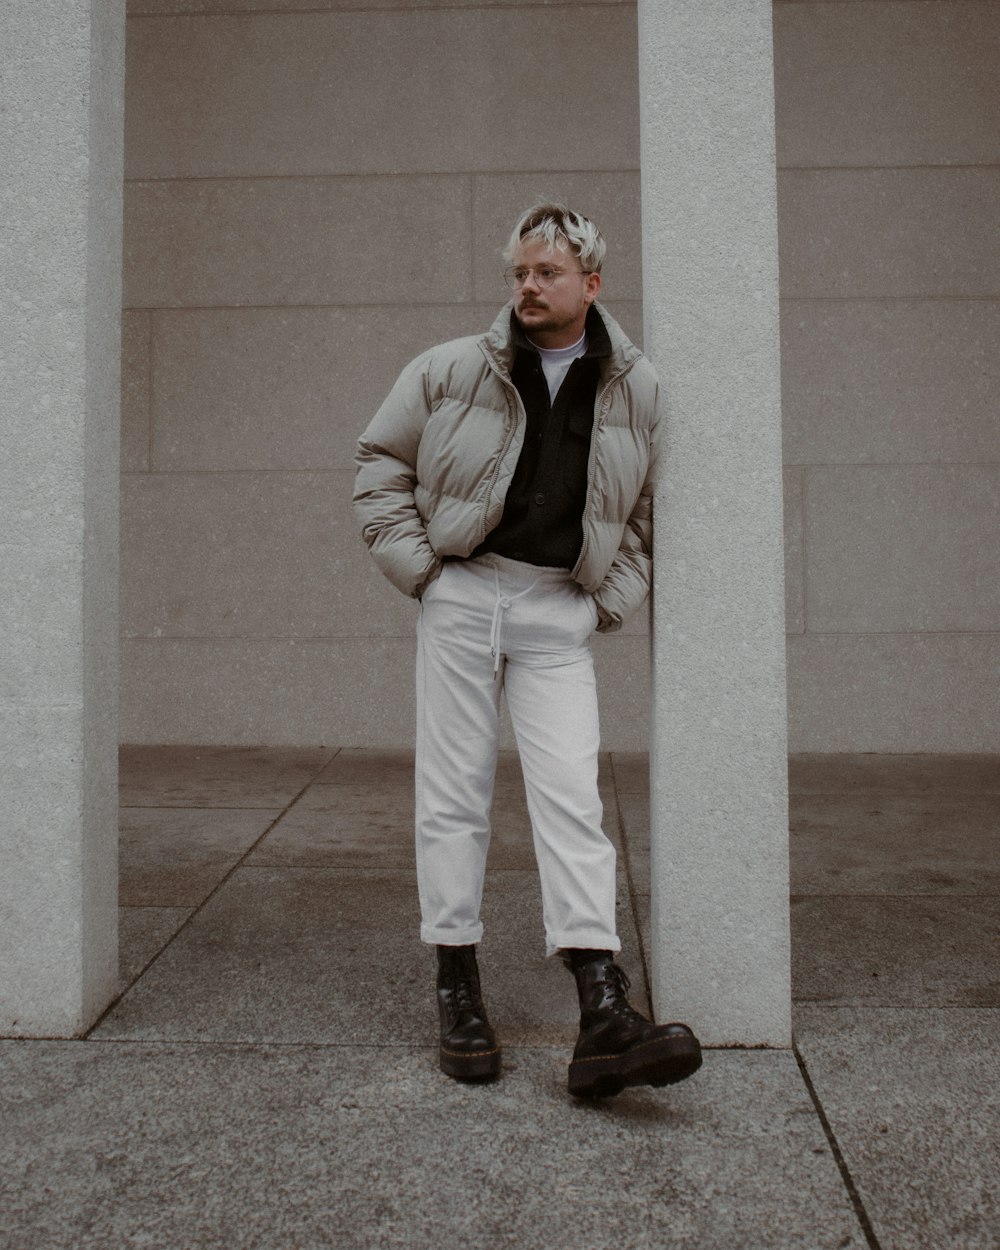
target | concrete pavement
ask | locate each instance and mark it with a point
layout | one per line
(268, 1077)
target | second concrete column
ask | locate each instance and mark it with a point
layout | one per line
(720, 944)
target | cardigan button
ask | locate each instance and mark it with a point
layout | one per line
(539, 499)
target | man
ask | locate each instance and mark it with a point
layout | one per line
(506, 483)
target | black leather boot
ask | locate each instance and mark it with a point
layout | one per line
(618, 1046)
(469, 1049)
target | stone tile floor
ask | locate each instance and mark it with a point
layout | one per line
(267, 1077)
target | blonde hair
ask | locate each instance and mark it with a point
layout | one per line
(560, 227)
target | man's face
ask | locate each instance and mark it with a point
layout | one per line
(553, 316)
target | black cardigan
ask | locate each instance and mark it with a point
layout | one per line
(543, 511)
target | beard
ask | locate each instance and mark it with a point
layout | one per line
(538, 316)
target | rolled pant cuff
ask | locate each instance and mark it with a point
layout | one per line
(582, 939)
(451, 937)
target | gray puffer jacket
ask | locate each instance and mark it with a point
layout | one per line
(434, 466)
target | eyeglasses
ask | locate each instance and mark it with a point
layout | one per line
(545, 275)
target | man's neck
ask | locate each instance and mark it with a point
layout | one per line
(570, 347)
(550, 339)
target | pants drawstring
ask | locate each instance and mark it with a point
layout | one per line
(502, 604)
(546, 675)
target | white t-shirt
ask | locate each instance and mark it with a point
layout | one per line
(556, 362)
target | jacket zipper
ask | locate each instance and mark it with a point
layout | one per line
(600, 409)
(520, 417)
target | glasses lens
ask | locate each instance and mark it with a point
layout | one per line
(544, 277)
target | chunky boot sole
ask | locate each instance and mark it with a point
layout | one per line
(661, 1061)
(482, 1065)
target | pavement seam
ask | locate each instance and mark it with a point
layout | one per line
(194, 1043)
(630, 880)
(208, 897)
(868, 895)
(838, 1155)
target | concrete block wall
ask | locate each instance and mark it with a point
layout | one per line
(889, 190)
(317, 191)
(313, 196)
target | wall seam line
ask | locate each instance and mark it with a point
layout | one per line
(324, 11)
(136, 180)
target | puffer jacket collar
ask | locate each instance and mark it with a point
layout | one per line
(500, 346)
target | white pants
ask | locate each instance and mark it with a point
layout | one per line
(495, 624)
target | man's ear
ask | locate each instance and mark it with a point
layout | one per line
(593, 287)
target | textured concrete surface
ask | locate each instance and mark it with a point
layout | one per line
(136, 369)
(222, 375)
(286, 690)
(287, 955)
(893, 692)
(325, 83)
(317, 6)
(887, 152)
(926, 71)
(291, 954)
(895, 844)
(366, 1148)
(710, 281)
(894, 776)
(186, 242)
(143, 933)
(284, 1029)
(61, 75)
(793, 481)
(872, 381)
(880, 225)
(256, 570)
(912, 1096)
(876, 566)
(269, 1076)
(888, 951)
(174, 857)
(210, 776)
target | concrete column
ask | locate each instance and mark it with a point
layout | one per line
(60, 274)
(720, 947)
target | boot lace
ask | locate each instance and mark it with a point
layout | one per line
(618, 983)
(465, 996)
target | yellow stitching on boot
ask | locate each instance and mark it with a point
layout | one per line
(621, 1053)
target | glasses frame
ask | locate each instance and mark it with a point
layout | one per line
(514, 285)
